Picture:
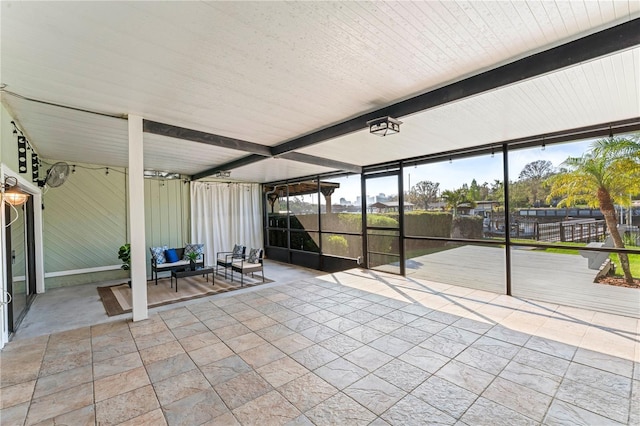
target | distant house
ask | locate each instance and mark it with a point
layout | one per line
(389, 207)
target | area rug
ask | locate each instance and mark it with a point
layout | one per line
(117, 298)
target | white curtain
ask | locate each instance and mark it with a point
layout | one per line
(226, 214)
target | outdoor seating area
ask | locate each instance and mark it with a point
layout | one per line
(356, 347)
(165, 259)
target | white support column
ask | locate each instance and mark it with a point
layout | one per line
(136, 220)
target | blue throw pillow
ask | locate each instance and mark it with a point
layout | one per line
(171, 256)
(158, 254)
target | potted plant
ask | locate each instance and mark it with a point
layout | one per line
(193, 256)
(124, 254)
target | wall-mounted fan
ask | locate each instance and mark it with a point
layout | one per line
(56, 175)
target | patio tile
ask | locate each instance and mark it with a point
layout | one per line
(152, 418)
(499, 415)
(64, 380)
(16, 394)
(245, 342)
(416, 309)
(160, 352)
(15, 415)
(428, 325)
(292, 343)
(401, 374)
(411, 411)
(341, 344)
(562, 413)
(532, 378)
(519, 398)
(475, 326)
(111, 351)
(169, 367)
(341, 324)
(314, 356)
(364, 334)
(53, 405)
(378, 309)
(443, 317)
(71, 335)
(56, 365)
(384, 325)
(231, 331)
(282, 371)
(220, 321)
(246, 314)
(200, 340)
(190, 330)
(496, 347)
(126, 381)
(197, 409)
(508, 335)
(319, 333)
(261, 355)
(300, 323)
(362, 317)
(154, 339)
(368, 358)
(424, 359)
(341, 373)
(551, 347)
(283, 314)
(180, 386)
(599, 379)
(411, 334)
(211, 353)
(242, 389)
(307, 391)
(82, 416)
(374, 393)
(116, 365)
(465, 376)
(58, 349)
(443, 346)
(225, 369)
(259, 323)
(552, 364)
(401, 317)
(149, 327)
(305, 309)
(603, 361)
(174, 313)
(485, 361)
(595, 400)
(274, 332)
(271, 408)
(340, 410)
(450, 398)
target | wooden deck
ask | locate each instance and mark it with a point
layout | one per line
(550, 277)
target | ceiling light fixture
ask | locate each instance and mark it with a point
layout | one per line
(11, 193)
(384, 126)
(222, 174)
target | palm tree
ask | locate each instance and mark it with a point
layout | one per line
(455, 198)
(604, 176)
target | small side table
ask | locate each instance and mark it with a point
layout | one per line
(206, 270)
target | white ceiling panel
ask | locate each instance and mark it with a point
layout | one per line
(269, 72)
(275, 169)
(600, 91)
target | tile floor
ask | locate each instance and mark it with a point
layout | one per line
(355, 347)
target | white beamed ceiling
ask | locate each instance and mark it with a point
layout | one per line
(268, 72)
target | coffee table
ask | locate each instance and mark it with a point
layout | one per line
(181, 273)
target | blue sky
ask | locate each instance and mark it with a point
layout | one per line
(453, 175)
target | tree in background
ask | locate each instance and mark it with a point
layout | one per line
(456, 197)
(423, 193)
(533, 176)
(606, 175)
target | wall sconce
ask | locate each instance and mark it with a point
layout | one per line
(11, 193)
(384, 126)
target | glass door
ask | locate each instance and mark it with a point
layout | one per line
(382, 209)
(21, 283)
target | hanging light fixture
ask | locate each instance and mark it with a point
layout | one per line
(11, 193)
(384, 126)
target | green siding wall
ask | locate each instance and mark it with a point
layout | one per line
(85, 222)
